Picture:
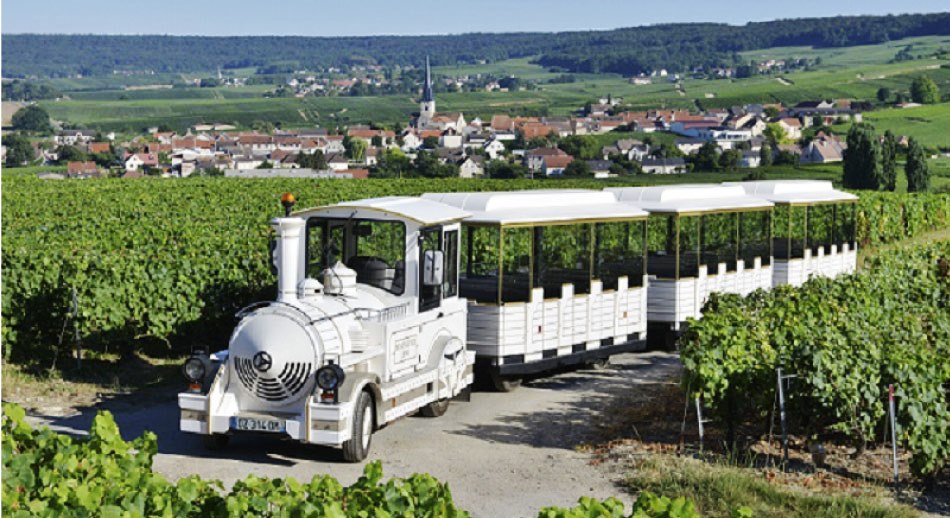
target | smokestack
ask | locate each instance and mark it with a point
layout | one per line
(289, 271)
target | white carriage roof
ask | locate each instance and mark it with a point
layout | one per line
(795, 191)
(538, 206)
(422, 211)
(689, 198)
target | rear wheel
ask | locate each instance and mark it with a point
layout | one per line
(215, 442)
(504, 384)
(435, 408)
(361, 430)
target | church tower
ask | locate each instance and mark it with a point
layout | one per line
(427, 106)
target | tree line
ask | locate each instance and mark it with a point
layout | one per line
(626, 51)
(870, 162)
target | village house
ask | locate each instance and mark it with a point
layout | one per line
(82, 170)
(494, 148)
(136, 161)
(823, 149)
(663, 165)
(792, 127)
(472, 167)
(72, 137)
(689, 146)
(554, 165)
(534, 159)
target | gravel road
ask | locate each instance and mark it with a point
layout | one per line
(502, 454)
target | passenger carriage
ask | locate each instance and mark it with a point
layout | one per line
(813, 229)
(701, 239)
(553, 277)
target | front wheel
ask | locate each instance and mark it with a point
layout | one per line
(361, 430)
(435, 408)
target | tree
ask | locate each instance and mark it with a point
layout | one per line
(393, 164)
(70, 154)
(262, 126)
(356, 149)
(918, 174)
(924, 91)
(32, 118)
(502, 169)
(707, 157)
(316, 160)
(729, 159)
(377, 141)
(775, 133)
(862, 159)
(883, 94)
(889, 161)
(579, 146)
(19, 150)
(770, 112)
(578, 169)
(266, 164)
(765, 155)
(430, 142)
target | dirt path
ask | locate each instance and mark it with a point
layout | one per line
(502, 454)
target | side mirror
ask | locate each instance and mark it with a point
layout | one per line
(432, 265)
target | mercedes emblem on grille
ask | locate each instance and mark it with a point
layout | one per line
(262, 361)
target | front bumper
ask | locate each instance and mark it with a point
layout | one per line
(317, 423)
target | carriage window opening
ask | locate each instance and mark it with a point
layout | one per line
(450, 273)
(754, 237)
(661, 246)
(780, 231)
(618, 252)
(516, 264)
(797, 232)
(689, 246)
(844, 224)
(480, 259)
(379, 254)
(374, 249)
(564, 257)
(718, 241)
(821, 220)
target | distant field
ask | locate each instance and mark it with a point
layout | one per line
(855, 72)
(928, 124)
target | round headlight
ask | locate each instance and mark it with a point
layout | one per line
(193, 369)
(330, 377)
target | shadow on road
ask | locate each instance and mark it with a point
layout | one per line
(580, 418)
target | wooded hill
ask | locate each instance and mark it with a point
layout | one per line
(676, 47)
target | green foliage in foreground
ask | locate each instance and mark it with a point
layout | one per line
(49, 474)
(846, 339)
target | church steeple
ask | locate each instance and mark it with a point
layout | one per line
(427, 106)
(427, 87)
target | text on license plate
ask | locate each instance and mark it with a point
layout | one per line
(257, 425)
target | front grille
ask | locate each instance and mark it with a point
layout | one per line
(287, 384)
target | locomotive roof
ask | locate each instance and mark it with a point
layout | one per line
(421, 211)
(690, 198)
(795, 192)
(538, 206)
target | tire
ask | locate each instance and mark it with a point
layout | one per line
(598, 364)
(435, 409)
(361, 430)
(503, 384)
(215, 442)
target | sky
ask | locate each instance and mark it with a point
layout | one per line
(408, 17)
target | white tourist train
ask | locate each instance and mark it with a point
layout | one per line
(386, 305)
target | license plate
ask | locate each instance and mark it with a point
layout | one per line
(252, 424)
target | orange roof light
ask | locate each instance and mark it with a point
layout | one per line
(287, 200)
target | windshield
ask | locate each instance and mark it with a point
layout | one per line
(375, 249)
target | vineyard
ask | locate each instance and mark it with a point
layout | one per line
(845, 341)
(123, 263)
(49, 474)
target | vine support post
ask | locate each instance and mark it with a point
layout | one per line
(699, 423)
(781, 411)
(892, 410)
(76, 335)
